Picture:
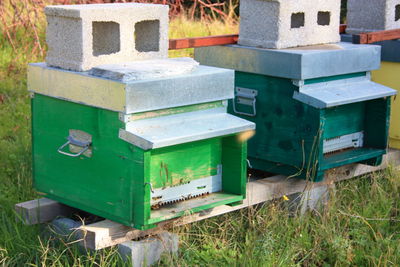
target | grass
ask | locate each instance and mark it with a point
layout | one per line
(359, 227)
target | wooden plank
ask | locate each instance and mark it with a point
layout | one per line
(203, 41)
(214, 40)
(107, 233)
(373, 37)
(41, 210)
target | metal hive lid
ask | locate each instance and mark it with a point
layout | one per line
(146, 69)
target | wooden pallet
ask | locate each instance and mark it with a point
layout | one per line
(106, 233)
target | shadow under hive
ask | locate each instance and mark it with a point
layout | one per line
(315, 107)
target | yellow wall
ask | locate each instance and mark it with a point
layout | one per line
(389, 75)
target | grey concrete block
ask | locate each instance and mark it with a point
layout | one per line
(66, 228)
(312, 199)
(376, 15)
(80, 37)
(148, 251)
(282, 24)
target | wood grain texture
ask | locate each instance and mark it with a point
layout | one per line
(41, 210)
(373, 37)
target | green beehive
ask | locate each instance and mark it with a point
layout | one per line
(315, 107)
(137, 151)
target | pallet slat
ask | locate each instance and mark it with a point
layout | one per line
(41, 210)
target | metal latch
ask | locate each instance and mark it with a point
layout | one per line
(247, 97)
(79, 143)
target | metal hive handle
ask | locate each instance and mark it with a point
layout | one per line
(71, 140)
(247, 97)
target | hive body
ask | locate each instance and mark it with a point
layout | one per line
(135, 141)
(315, 107)
(140, 165)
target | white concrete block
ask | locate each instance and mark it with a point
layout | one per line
(372, 15)
(314, 198)
(80, 37)
(148, 251)
(288, 23)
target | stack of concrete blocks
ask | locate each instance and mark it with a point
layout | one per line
(372, 15)
(288, 23)
(80, 37)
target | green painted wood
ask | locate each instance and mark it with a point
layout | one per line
(333, 78)
(343, 120)
(350, 156)
(172, 165)
(285, 127)
(114, 182)
(234, 165)
(377, 121)
(82, 182)
(289, 134)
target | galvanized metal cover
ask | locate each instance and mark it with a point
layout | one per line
(294, 63)
(183, 128)
(204, 84)
(341, 92)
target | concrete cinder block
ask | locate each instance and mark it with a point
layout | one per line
(283, 24)
(376, 15)
(314, 198)
(80, 37)
(148, 251)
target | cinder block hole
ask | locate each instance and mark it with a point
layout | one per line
(397, 13)
(106, 38)
(297, 20)
(147, 36)
(324, 18)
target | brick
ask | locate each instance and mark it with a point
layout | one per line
(369, 16)
(283, 24)
(80, 37)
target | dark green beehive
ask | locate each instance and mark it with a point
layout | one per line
(315, 108)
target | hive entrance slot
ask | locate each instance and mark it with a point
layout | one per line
(147, 36)
(297, 20)
(106, 38)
